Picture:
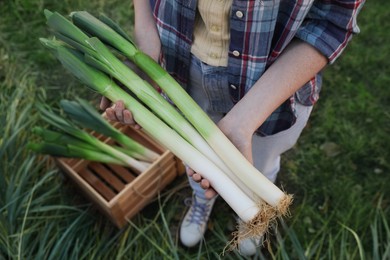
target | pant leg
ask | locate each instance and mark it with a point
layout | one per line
(266, 150)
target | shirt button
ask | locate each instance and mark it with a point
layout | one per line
(215, 28)
(213, 55)
(239, 14)
(236, 53)
(233, 87)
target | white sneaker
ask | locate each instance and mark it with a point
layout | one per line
(248, 246)
(194, 223)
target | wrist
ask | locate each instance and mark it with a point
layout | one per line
(239, 121)
(236, 132)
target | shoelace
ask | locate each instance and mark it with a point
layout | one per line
(198, 211)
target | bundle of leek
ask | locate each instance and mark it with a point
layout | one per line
(87, 116)
(71, 141)
(206, 149)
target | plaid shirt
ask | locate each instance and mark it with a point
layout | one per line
(259, 32)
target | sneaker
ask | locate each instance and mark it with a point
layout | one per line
(248, 246)
(194, 223)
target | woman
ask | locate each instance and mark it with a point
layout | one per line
(253, 66)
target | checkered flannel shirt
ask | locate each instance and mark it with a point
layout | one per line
(259, 32)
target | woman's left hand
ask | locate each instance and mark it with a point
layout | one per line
(238, 136)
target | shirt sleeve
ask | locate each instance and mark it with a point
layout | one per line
(330, 25)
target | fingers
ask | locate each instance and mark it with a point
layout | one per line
(115, 112)
(210, 193)
(118, 112)
(197, 177)
(204, 183)
(128, 117)
(189, 171)
(119, 108)
(104, 103)
(110, 112)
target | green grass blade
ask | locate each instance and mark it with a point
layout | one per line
(295, 241)
(358, 241)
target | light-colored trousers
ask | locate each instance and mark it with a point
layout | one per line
(208, 86)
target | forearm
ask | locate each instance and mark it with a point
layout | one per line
(296, 66)
(145, 29)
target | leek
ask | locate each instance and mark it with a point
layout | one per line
(72, 151)
(91, 61)
(64, 145)
(242, 204)
(83, 113)
(238, 164)
(54, 137)
(69, 128)
(97, 55)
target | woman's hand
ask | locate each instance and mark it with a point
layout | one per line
(150, 44)
(204, 183)
(240, 137)
(118, 113)
(298, 64)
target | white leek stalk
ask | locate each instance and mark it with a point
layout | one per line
(233, 158)
(244, 206)
(100, 57)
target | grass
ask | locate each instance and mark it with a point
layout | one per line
(338, 172)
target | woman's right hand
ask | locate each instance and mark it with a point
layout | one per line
(117, 112)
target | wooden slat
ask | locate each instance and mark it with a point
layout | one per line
(137, 202)
(143, 187)
(146, 189)
(87, 188)
(142, 138)
(107, 175)
(121, 171)
(164, 161)
(70, 161)
(98, 185)
(180, 168)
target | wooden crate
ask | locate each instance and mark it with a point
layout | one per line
(117, 191)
